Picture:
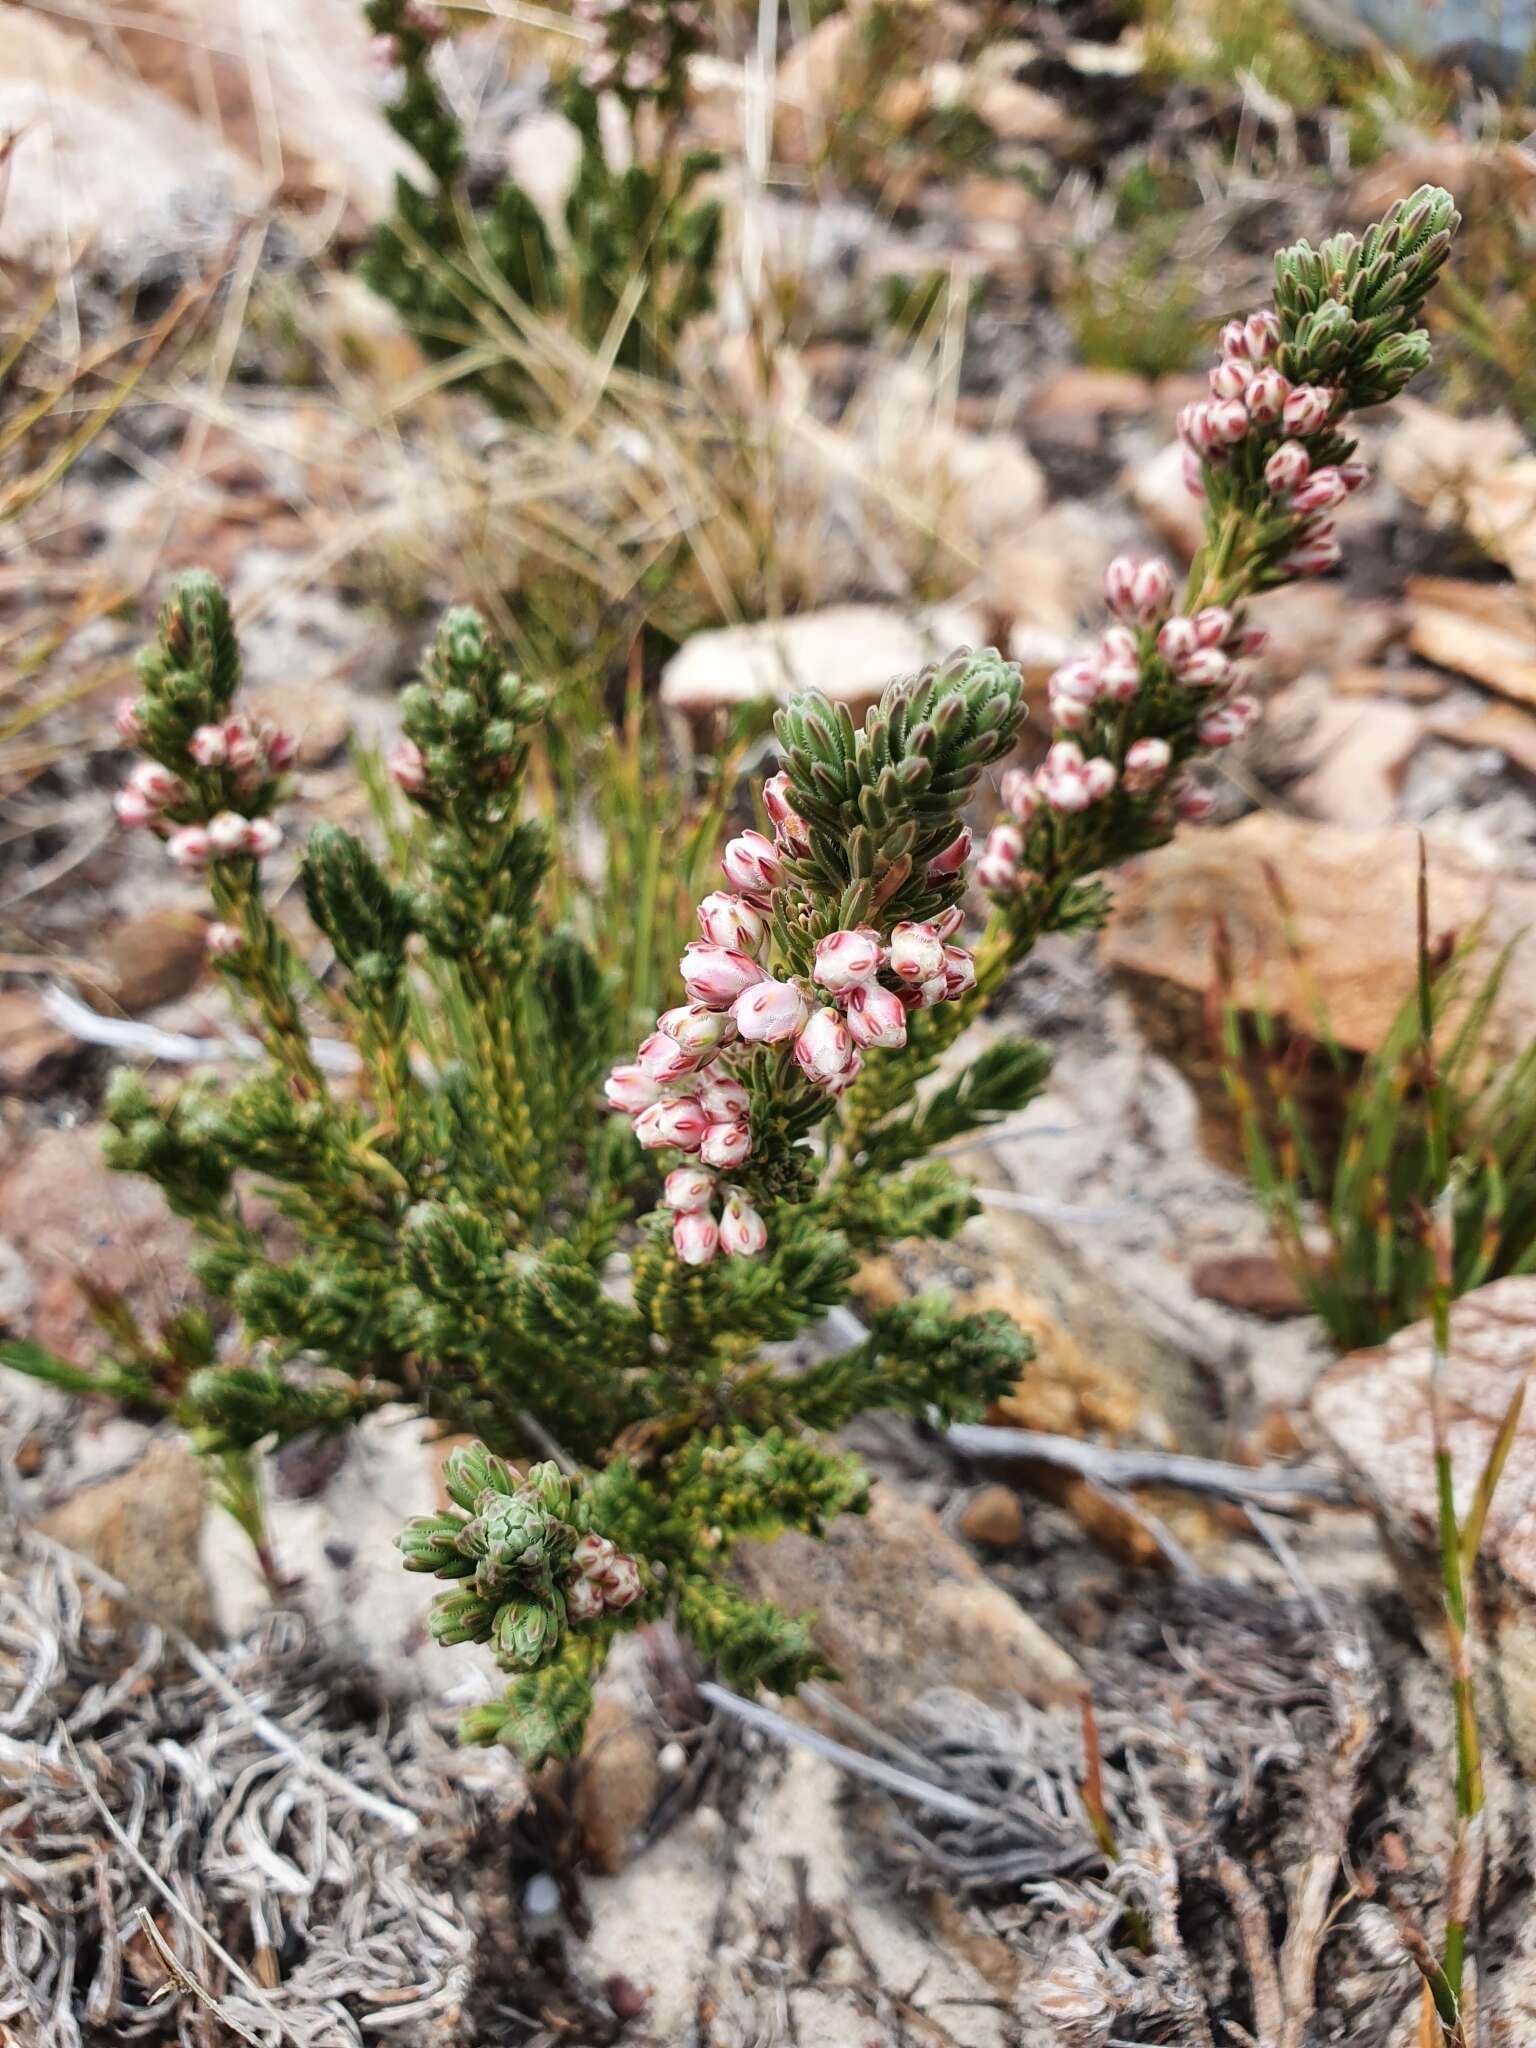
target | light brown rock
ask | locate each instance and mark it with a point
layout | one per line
(901, 1607)
(993, 1518)
(1021, 113)
(1503, 726)
(1353, 895)
(619, 1784)
(807, 87)
(1475, 173)
(1160, 494)
(66, 1214)
(849, 652)
(1257, 1283)
(150, 960)
(1374, 1408)
(1098, 394)
(1483, 630)
(33, 1050)
(144, 1527)
(1321, 626)
(1366, 747)
(1475, 476)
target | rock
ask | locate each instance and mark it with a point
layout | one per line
(1046, 582)
(319, 715)
(1353, 895)
(1160, 494)
(33, 1050)
(1019, 113)
(150, 960)
(1076, 393)
(1475, 174)
(1503, 726)
(1321, 626)
(1365, 751)
(65, 1213)
(1482, 630)
(1412, 684)
(806, 89)
(849, 652)
(1374, 1408)
(145, 1528)
(900, 1607)
(619, 1785)
(288, 86)
(1476, 476)
(1257, 1283)
(77, 121)
(993, 1518)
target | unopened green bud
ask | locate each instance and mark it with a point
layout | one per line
(429, 1543)
(527, 1633)
(461, 1618)
(470, 1470)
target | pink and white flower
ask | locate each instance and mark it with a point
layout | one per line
(724, 1099)
(1178, 640)
(1206, 669)
(133, 807)
(846, 959)
(743, 1233)
(695, 1237)
(1146, 763)
(770, 1011)
(959, 972)
(1213, 625)
(262, 836)
(676, 1121)
(1266, 396)
(664, 1059)
(1227, 421)
(130, 727)
(1193, 803)
(1231, 378)
(209, 746)
(158, 785)
(226, 834)
(916, 952)
(621, 1583)
(824, 1048)
(726, 1144)
(408, 766)
(1323, 491)
(223, 941)
(732, 921)
(1100, 774)
(1020, 797)
(583, 1600)
(716, 975)
(751, 863)
(877, 1017)
(631, 1089)
(190, 847)
(1318, 552)
(696, 1028)
(687, 1188)
(793, 832)
(1288, 468)
(1309, 409)
(1139, 592)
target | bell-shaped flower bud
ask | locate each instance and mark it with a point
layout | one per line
(696, 1029)
(877, 1016)
(408, 766)
(1309, 409)
(262, 836)
(953, 858)
(695, 1237)
(190, 847)
(916, 952)
(678, 1121)
(631, 1089)
(725, 1099)
(824, 1048)
(959, 972)
(664, 1059)
(1139, 592)
(770, 1011)
(715, 976)
(845, 959)
(726, 1144)
(209, 746)
(1146, 763)
(743, 1233)
(688, 1188)
(751, 863)
(732, 921)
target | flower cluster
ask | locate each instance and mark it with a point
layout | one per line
(645, 48)
(682, 1089)
(740, 1232)
(418, 24)
(527, 1561)
(240, 761)
(1253, 407)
